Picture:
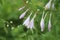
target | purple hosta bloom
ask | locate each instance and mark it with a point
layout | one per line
(42, 22)
(26, 22)
(48, 5)
(23, 14)
(49, 23)
(21, 8)
(31, 24)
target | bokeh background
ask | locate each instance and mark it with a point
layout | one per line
(9, 12)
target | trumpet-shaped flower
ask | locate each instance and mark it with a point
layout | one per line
(31, 24)
(49, 5)
(21, 8)
(42, 22)
(26, 22)
(49, 23)
(23, 14)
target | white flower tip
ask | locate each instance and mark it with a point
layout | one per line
(23, 14)
(20, 17)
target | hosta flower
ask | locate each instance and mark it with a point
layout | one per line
(23, 14)
(21, 8)
(31, 24)
(26, 22)
(49, 23)
(49, 5)
(42, 22)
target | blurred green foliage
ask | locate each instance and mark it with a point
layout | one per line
(16, 31)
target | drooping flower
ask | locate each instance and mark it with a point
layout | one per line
(31, 24)
(49, 5)
(49, 23)
(23, 14)
(21, 8)
(27, 21)
(42, 22)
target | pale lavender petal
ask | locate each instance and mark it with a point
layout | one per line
(23, 14)
(32, 22)
(42, 24)
(27, 21)
(47, 6)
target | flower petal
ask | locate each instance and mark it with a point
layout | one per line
(23, 14)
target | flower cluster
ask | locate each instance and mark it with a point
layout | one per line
(30, 23)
